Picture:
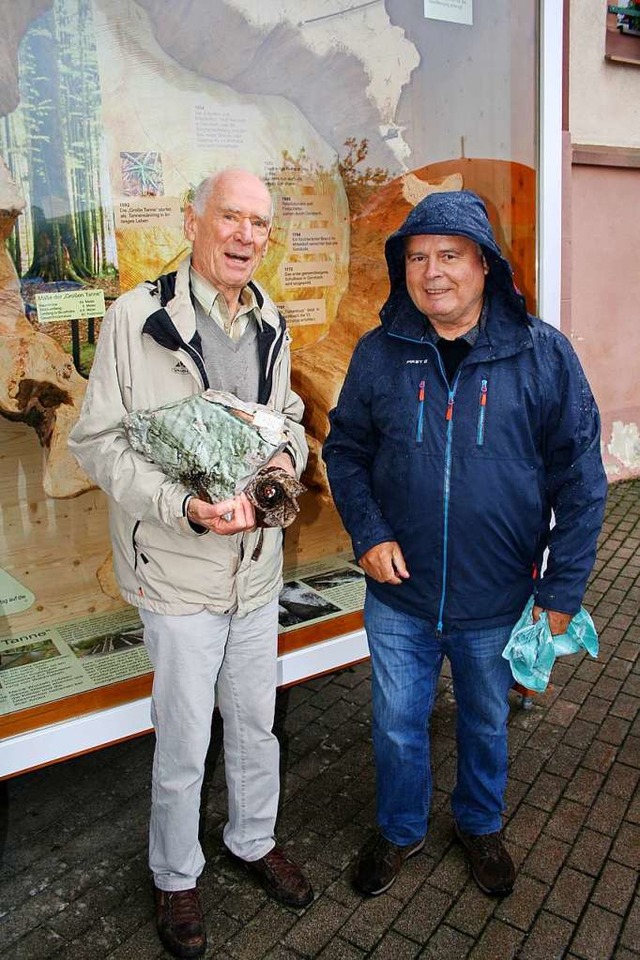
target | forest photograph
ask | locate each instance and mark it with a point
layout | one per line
(53, 147)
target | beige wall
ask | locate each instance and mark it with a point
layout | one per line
(604, 97)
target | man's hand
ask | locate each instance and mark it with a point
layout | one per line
(558, 622)
(385, 563)
(224, 518)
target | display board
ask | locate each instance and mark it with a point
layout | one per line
(352, 112)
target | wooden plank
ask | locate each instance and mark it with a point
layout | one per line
(317, 632)
(136, 688)
(598, 155)
(12, 724)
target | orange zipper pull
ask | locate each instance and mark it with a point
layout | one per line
(449, 415)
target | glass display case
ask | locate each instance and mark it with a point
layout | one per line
(351, 112)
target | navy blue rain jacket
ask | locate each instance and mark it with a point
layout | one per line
(465, 477)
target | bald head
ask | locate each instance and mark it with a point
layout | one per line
(217, 181)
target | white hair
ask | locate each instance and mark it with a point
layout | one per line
(206, 188)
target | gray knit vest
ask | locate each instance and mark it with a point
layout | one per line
(231, 365)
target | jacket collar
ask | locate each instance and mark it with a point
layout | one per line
(502, 336)
(173, 325)
(181, 311)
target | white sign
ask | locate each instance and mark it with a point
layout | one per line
(453, 11)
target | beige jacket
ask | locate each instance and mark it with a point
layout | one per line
(144, 359)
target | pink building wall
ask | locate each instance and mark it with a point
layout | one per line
(602, 315)
(601, 226)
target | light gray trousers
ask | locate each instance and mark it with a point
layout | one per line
(190, 655)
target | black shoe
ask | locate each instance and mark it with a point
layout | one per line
(380, 863)
(280, 876)
(180, 922)
(491, 866)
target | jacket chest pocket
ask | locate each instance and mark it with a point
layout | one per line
(498, 419)
(432, 405)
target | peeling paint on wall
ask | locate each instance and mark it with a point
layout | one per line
(624, 445)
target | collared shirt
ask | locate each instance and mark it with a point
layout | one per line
(215, 306)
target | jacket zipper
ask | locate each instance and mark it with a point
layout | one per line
(205, 382)
(199, 362)
(447, 472)
(482, 413)
(446, 501)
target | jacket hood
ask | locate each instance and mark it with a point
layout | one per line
(453, 213)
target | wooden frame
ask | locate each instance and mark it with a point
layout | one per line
(65, 728)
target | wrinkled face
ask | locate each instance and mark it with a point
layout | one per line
(445, 278)
(230, 238)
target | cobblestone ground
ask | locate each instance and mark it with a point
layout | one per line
(74, 878)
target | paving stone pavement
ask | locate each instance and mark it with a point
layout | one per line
(74, 882)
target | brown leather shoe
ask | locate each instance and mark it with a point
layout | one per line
(491, 865)
(280, 876)
(180, 922)
(380, 862)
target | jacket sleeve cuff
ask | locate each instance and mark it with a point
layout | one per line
(546, 597)
(362, 545)
(196, 527)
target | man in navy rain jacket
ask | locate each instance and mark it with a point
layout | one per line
(462, 424)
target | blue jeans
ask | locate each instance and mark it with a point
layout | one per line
(406, 659)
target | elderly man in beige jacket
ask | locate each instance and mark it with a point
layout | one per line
(205, 580)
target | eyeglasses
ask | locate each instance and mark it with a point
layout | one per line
(259, 225)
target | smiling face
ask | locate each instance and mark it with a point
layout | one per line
(229, 238)
(445, 278)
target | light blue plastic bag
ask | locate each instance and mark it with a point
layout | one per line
(532, 649)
